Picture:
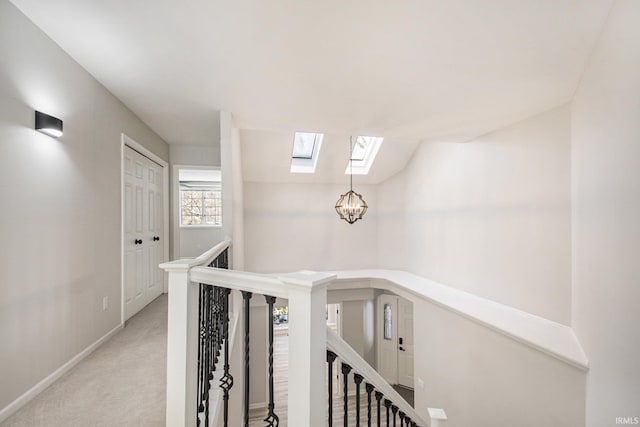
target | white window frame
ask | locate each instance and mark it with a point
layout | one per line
(216, 187)
(362, 167)
(301, 165)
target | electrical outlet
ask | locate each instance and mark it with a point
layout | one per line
(105, 303)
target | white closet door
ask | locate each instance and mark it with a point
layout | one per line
(143, 227)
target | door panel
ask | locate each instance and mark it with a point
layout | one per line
(139, 210)
(152, 211)
(139, 283)
(128, 210)
(129, 277)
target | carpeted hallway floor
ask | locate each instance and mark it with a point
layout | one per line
(122, 383)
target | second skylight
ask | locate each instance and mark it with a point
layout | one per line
(365, 149)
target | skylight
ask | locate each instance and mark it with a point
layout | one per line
(303, 144)
(365, 149)
(304, 156)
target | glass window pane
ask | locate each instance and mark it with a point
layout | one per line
(303, 145)
(199, 207)
(388, 333)
(360, 148)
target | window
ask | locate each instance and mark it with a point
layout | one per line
(365, 149)
(304, 155)
(200, 197)
(200, 207)
(303, 145)
(388, 332)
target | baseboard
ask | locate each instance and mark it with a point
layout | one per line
(258, 405)
(14, 406)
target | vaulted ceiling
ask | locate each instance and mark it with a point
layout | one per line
(406, 70)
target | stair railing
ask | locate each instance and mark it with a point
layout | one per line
(306, 293)
(390, 408)
(208, 307)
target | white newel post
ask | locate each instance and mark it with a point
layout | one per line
(307, 347)
(182, 338)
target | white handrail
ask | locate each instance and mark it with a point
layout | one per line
(211, 254)
(306, 292)
(204, 259)
(542, 334)
(239, 280)
(347, 354)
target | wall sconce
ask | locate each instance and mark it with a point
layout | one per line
(50, 125)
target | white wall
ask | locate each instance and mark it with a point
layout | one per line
(193, 241)
(60, 216)
(196, 155)
(353, 324)
(196, 240)
(606, 218)
(358, 328)
(491, 216)
(237, 209)
(483, 378)
(290, 227)
(232, 188)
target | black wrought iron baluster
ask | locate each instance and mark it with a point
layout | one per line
(272, 419)
(357, 378)
(222, 261)
(201, 367)
(215, 327)
(394, 410)
(378, 397)
(246, 296)
(387, 404)
(212, 330)
(226, 382)
(331, 357)
(208, 347)
(345, 372)
(369, 389)
(413, 424)
(407, 420)
(402, 415)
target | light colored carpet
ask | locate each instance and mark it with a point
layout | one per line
(122, 383)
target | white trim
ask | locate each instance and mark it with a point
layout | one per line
(542, 334)
(14, 406)
(302, 165)
(347, 354)
(128, 141)
(362, 167)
